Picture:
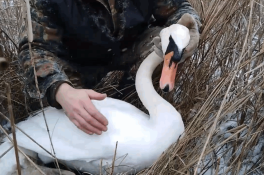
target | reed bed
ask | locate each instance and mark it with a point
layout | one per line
(219, 91)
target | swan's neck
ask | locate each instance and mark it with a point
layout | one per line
(154, 103)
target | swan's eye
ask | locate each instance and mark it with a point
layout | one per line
(172, 47)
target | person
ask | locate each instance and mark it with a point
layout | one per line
(77, 42)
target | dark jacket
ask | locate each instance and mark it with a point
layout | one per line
(87, 32)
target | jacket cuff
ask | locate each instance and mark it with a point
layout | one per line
(51, 94)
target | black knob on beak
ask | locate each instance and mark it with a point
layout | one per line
(166, 89)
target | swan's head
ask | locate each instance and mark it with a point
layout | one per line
(174, 39)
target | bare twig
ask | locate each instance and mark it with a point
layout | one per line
(8, 92)
(6, 152)
(30, 39)
(113, 163)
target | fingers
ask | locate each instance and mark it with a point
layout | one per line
(80, 127)
(157, 41)
(85, 121)
(90, 108)
(81, 111)
(95, 95)
(157, 46)
(158, 51)
(87, 127)
(97, 127)
(87, 118)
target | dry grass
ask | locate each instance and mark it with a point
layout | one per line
(218, 91)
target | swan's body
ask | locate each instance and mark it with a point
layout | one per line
(141, 138)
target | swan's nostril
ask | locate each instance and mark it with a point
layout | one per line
(166, 89)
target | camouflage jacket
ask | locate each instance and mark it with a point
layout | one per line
(69, 29)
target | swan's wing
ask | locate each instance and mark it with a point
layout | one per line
(66, 136)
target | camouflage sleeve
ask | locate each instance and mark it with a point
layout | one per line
(46, 47)
(172, 10)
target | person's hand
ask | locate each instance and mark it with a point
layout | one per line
(80, 110)
(188, 21)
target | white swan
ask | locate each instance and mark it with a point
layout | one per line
(141, 138)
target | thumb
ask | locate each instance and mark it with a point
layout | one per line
(156, 40)
(95, 95)
(158, 51)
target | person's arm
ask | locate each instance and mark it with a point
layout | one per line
(168, 12)
(45, 47)
(52, 81)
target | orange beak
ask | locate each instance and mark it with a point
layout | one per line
(167, 79)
